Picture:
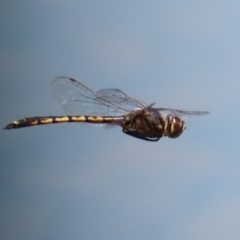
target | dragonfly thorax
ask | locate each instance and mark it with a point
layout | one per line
(175, 127)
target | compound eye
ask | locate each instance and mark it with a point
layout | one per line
(177, 127)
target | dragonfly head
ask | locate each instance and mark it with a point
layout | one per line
(175, 127)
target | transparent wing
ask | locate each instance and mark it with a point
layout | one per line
(117, 96)
(78, 99)
(182, 113)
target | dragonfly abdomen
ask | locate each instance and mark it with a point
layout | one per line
(33, 121)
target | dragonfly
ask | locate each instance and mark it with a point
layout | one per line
(113, 107)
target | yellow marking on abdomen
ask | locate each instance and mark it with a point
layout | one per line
(34, 123)
(46, 121)
(95, 119)
(62, 119)
(78, 119)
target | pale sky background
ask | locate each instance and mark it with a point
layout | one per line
(72, 181)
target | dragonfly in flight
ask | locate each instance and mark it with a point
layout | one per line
(113, 107)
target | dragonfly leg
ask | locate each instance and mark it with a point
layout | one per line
(141, 135)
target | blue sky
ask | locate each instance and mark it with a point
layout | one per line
(72, 181)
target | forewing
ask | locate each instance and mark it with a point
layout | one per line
(78, 99)
(182, 113)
